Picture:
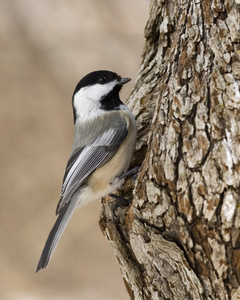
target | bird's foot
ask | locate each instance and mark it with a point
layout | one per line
(130, 172)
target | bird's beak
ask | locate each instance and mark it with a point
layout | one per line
(124, 80)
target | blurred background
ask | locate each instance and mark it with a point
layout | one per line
(45, 48)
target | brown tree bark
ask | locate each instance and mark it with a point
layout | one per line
(180, 237)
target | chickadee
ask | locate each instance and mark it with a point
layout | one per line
(104, 142)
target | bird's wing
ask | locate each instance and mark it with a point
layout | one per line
(101, 146)
(85, 160)
(81, 164)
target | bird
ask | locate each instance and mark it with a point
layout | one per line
(103, 145)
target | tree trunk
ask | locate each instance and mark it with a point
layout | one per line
(180, 237)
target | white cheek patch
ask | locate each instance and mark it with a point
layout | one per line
(97, 91)
(86, 100)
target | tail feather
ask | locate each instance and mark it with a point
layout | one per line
(56, 233)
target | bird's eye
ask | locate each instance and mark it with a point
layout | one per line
(102, 80)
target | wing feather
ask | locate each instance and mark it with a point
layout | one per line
(84, 160)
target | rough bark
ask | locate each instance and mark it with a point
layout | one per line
(180, 237)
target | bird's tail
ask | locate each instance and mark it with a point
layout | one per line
(56, 233)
